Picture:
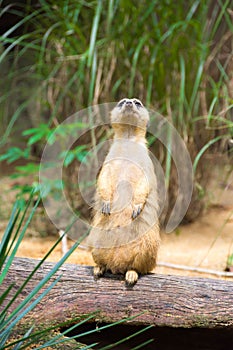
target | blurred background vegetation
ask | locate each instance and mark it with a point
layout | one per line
(58, 57)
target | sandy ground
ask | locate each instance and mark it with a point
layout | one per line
(205, 243)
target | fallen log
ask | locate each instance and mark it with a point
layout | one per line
(165, 300)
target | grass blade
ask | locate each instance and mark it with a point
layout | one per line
(126, 338)
(7, 235)
(141, 346)
(20, 23)
(18, 346)
(20, 237)
(202, 151)
(5, 293)
(182, 97)
(134, 64)
(94, 33)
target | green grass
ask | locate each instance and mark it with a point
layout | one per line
(161, 47)
(70, 55)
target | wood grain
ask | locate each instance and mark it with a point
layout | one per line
(172, 301)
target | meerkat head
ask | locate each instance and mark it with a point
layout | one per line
(130, 111)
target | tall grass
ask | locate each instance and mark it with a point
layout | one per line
(73, 54)
(99, 51)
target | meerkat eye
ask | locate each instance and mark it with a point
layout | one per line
(120, 104)
(137, 103)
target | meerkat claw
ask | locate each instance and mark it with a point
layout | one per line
(98, 271)
(136, 211)
(106, 208)
(131, 277)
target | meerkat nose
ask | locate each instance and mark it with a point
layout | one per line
(129, 103)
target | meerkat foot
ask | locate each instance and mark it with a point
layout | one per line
(98, 271)
(106, 208)
(136, 210)
(131, 277)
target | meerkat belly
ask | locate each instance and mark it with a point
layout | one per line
(126, 177)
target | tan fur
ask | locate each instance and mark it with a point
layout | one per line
(125, 234)
(139, 255)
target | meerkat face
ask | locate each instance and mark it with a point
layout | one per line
(130, 111)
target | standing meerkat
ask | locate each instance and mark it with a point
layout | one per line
(125, 230)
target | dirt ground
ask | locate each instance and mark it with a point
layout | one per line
(205, 243)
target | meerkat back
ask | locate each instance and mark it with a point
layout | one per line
(125, 233)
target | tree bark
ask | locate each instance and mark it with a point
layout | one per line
(165, 300)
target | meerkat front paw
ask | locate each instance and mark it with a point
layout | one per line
(98, 271)
(106, 208)
(137, 208)
(131, 277)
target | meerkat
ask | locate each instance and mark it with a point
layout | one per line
(125, 232)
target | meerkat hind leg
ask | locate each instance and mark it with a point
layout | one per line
(98, 271)
(131, 277)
